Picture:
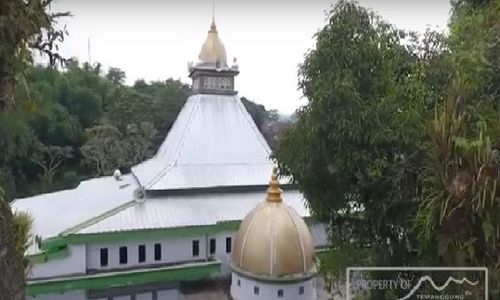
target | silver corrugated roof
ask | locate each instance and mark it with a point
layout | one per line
(53, 213)
(189, 210)
(213, 143)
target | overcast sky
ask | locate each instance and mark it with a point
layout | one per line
(155, 39)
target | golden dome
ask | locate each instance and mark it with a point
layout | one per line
(213, 51)
(274, 241)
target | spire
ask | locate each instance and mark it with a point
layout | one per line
(213, 28)
(274, 191)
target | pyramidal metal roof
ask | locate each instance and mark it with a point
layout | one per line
(213, 143)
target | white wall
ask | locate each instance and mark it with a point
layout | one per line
(144, 296)
(269, 291)
(70, 295)
(74, 263)
(173, 250)
(319, 234)
(172, 294)
(220, 249)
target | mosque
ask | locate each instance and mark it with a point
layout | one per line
(198, 210)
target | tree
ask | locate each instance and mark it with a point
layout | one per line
(459, 217)
(104, 151)
(116, 76)
(355, 148)
(24, 26)
(139, 142)
(27, 26)
(50, 158)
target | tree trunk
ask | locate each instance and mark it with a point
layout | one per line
(11, 263)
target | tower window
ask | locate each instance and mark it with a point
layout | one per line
(256, 290)
(196, 248)
(212, 246)
(239, 282)
(280, 293)
(228, 245)
(104, 257)
(142, 253)
(301, 290)
(157, 252)
(123, 255)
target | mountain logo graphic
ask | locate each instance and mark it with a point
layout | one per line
(427, 278)
(361, 280)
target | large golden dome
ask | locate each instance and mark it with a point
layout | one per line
(213, 50)
(274, 241)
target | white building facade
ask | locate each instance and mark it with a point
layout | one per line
(174, 218)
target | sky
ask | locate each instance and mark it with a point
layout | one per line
(155, 39)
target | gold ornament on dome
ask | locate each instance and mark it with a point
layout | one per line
(273, 240)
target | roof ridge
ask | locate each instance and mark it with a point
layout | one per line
(169, 167)
(98, 218)
(256, 130)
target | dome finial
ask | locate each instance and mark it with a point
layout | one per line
(274, 191)
(213, 27)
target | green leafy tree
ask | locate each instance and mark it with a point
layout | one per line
(104, 151)
(116, 76)
(355, 148)
(14, 238)
(26, 26)
(50, 158)
(139, 142)
(458, 220)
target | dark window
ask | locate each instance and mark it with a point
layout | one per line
(142, 253)
(280, 293)
(196, 248)
(228, 245)
(104, 257)
(301, 290)
(123, 255)
(256, 290)
(239, 282)
(212, 246)
(157, 252)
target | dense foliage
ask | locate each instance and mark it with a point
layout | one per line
(24, 26)
(396, 148)
(82, 122)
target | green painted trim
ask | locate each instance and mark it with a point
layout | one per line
(124, 278)
(44, 256)
(98, 218)
(58, 254)
(177, 232)
(52, 243)
(37, 258)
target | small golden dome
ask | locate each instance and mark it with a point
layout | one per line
(274, 241)
(213, 50)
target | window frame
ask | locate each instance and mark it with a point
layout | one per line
(280, 293)
(256, 290)
(301, 290)
(123, 255)
(105, 252)
(157, 252)
(212, 246)
(195, 248)
(141, 249)
(229, 244)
